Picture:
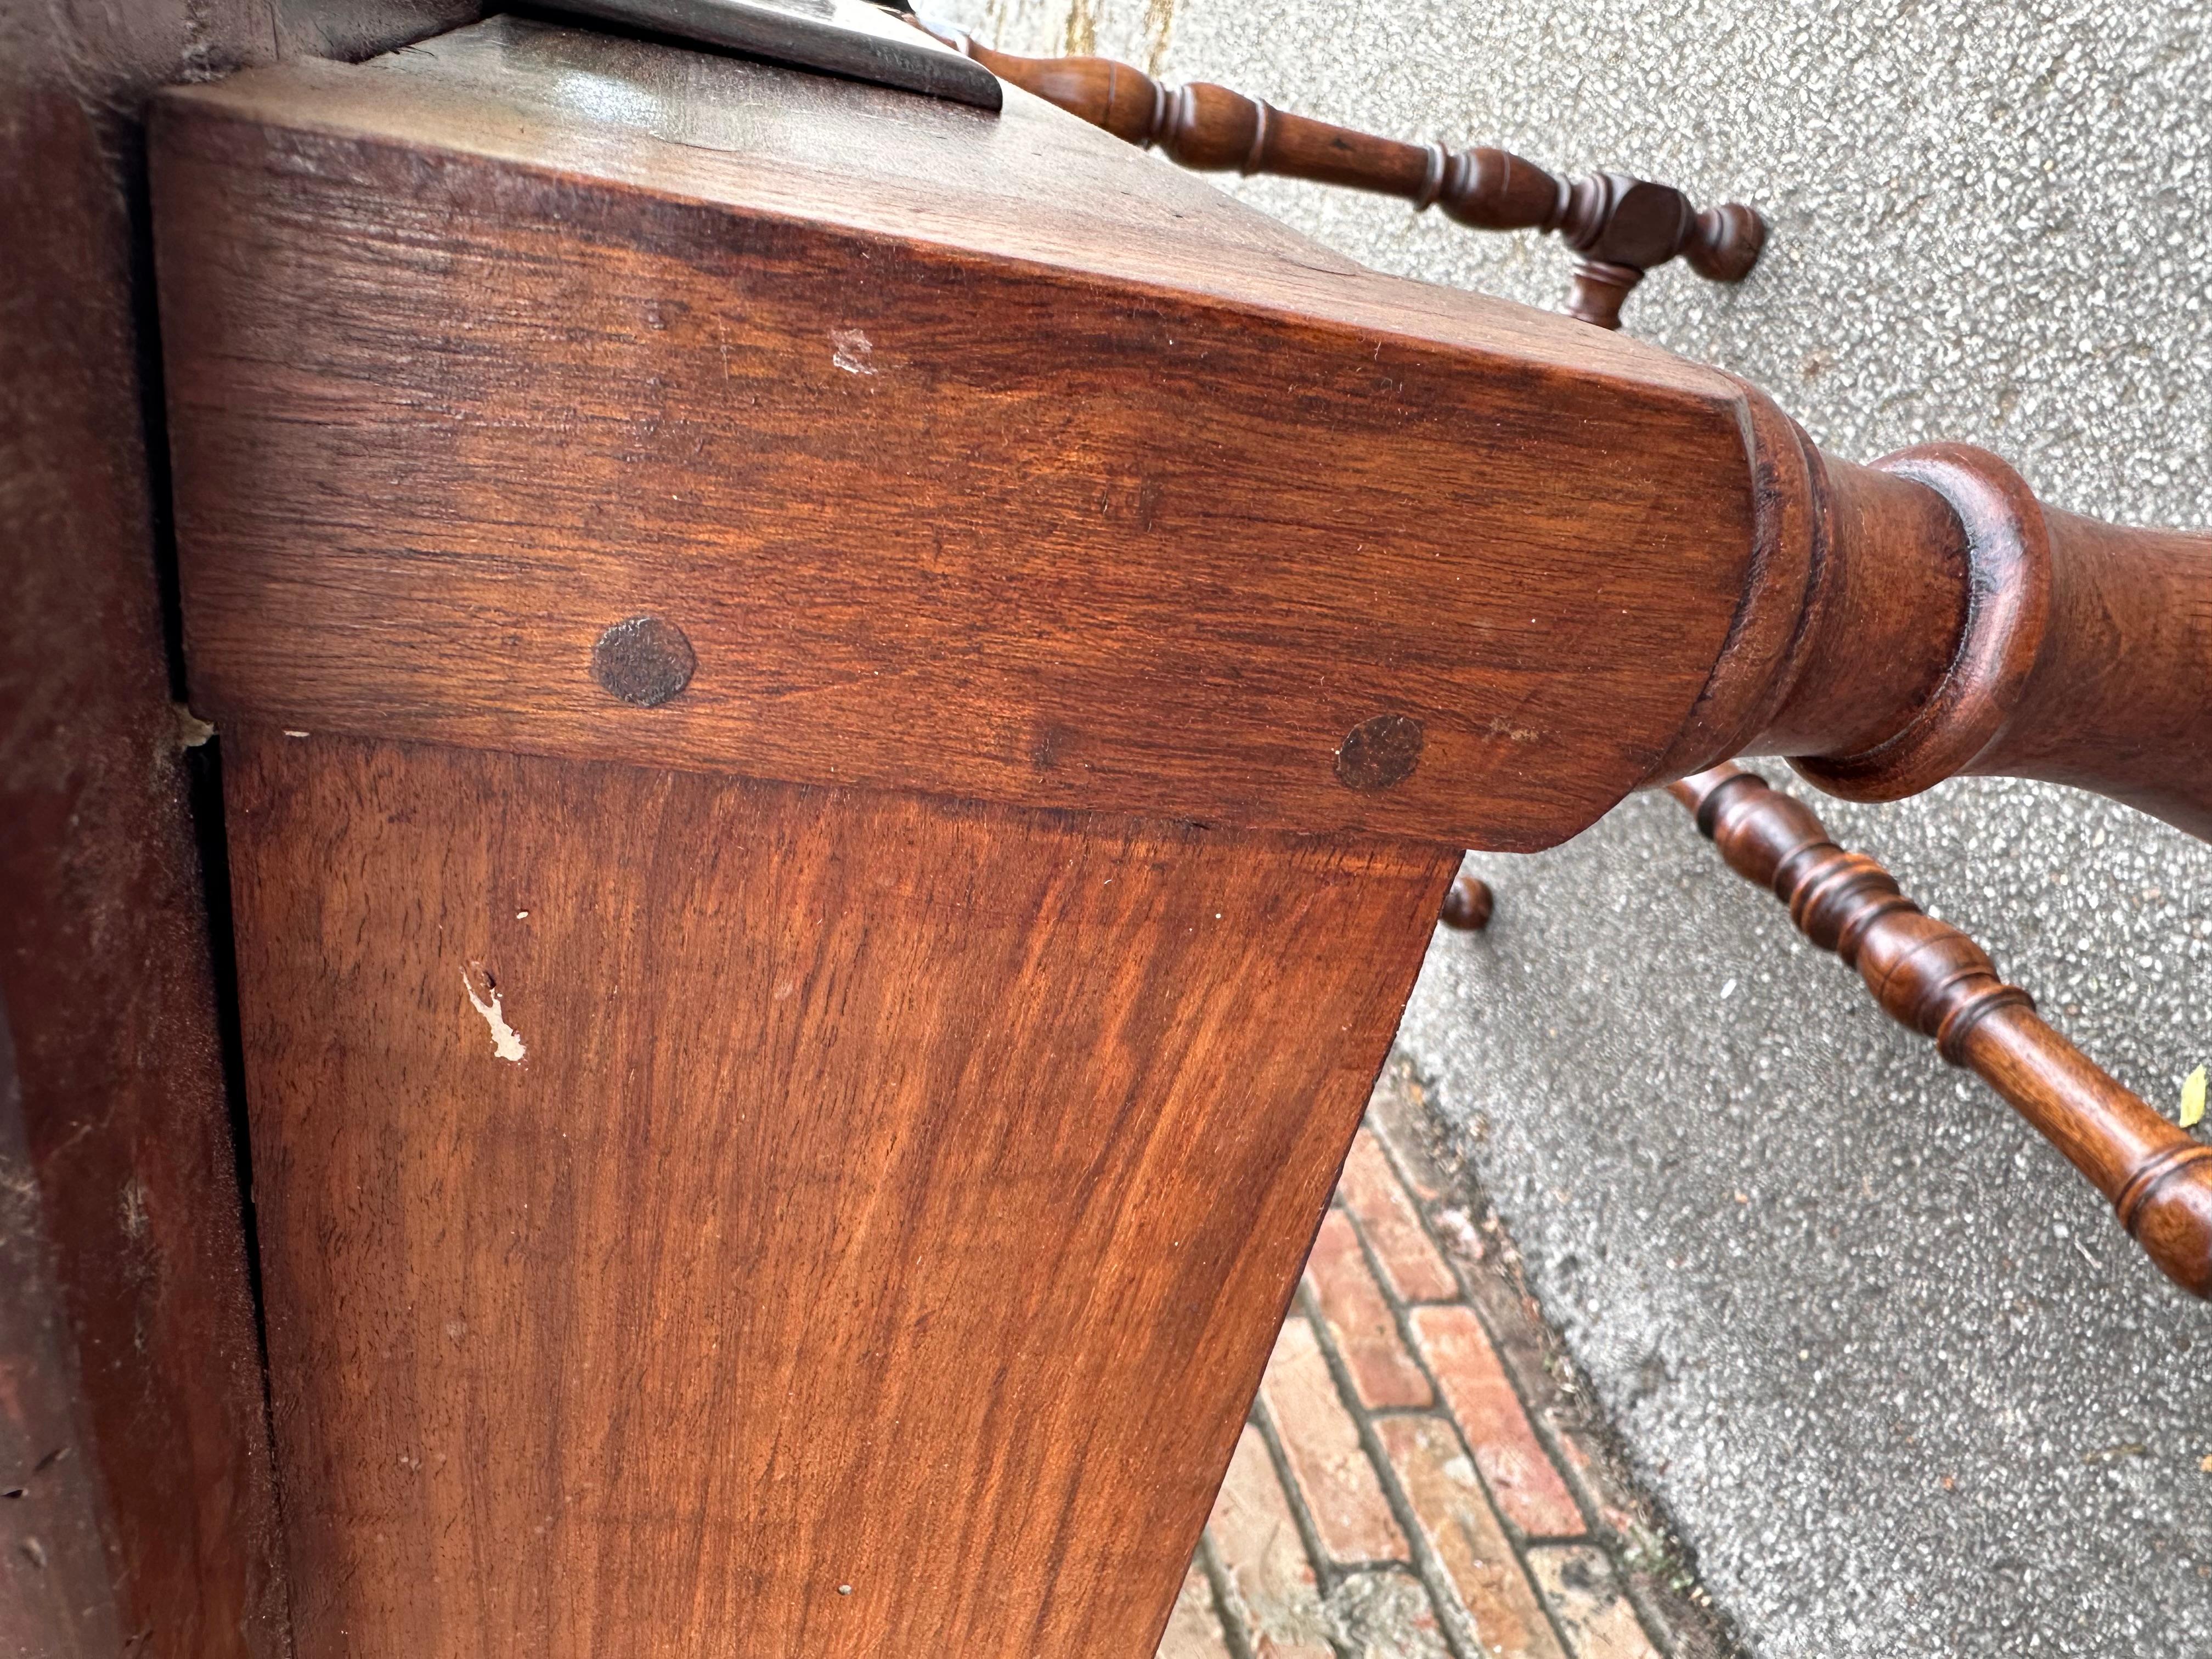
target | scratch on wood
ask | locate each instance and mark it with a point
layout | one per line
(851, 351)
(506, 1041)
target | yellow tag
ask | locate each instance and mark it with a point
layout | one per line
(2192, 1099)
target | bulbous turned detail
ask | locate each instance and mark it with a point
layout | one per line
(1928, 975)
(1927, 617)
(2008, 583)
(1468, 905)
(1621, 227)
(1925, 974)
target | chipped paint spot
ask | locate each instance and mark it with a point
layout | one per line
(506, 1041)
(289, 734)
(852, 350)
(192, 730)
(134, 1208)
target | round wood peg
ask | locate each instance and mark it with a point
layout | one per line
(643, 660)
(1378, 753)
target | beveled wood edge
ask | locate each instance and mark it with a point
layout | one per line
(290, 96)
(355, 101)
(1761, 659)
(1396, 849)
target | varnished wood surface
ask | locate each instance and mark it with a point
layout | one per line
(478, 351)
(1927, 617)
(56, 1596)
(2082, 654)
(981, 456)
(890, 1195)
(1928, 975)
(877, 1145)
(105, 955)
(2115, 698)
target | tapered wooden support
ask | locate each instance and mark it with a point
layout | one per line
(1621, 227)
(1928, 975)
(704, 1215)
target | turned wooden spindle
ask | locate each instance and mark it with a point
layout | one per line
(1928, 975)
(1621, 227)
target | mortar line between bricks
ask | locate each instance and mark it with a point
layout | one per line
(1452, 1616)
(1401, 1315)
(1228, 1606)
(1326, 1574)
(1649, 1613)
(1656, 1630)
(1516, 1540)
(1595, 1535)
(1547, 1436)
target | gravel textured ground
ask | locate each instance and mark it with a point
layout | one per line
(1892, 1367)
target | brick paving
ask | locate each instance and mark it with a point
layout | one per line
(1423, 1476)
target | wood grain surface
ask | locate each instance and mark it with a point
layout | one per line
(105, 966)
(977, 455)
(56, 1596)
(872, 1250)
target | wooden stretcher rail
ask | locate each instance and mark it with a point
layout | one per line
(1931, 977)
(1620, 227)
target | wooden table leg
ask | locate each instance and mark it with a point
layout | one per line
(701, 1216)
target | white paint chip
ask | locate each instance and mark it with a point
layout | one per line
(506, 1042)
(192, 730)
(851, 351)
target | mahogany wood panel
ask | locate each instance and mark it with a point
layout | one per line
(57, 1601)
(104, 947)
(980, 455)
(1928, 975)
(873, 1250)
